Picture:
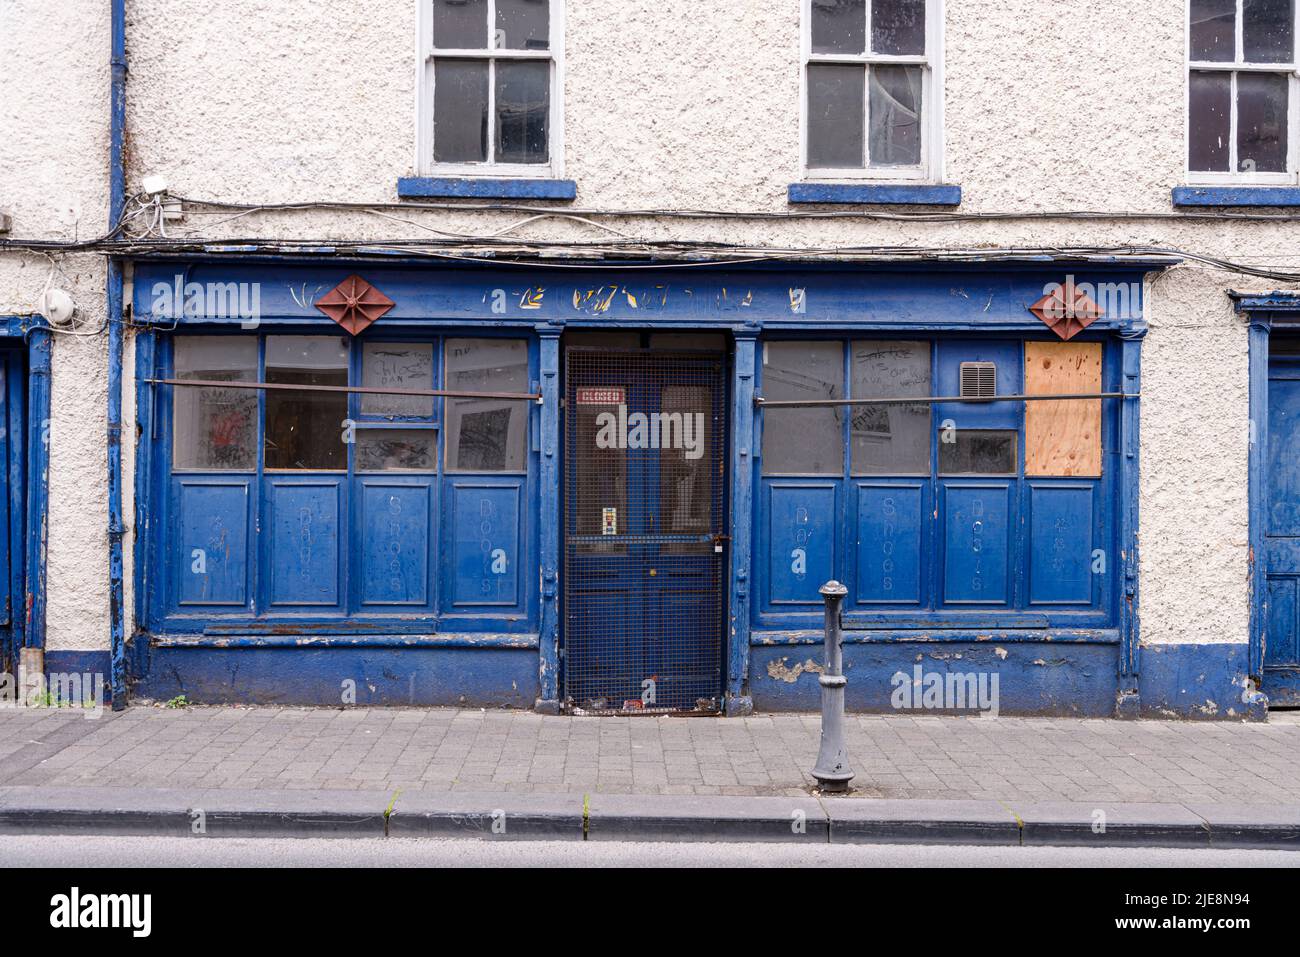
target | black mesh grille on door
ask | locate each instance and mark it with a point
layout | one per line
(644, 549)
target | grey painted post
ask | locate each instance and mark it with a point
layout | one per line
(832, 770)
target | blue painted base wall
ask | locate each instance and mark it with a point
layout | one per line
(1199, 682)
(1074, 680)
(82, 663)
(427, 677)
(1206, 682)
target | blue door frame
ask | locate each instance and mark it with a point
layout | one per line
(1275, 682)
(24, 452)
(972, 299)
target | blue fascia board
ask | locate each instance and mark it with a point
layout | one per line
(1236, 196)
(876, 194)
(437, 187)
(900, 295)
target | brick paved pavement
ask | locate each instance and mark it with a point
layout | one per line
(1005, 759)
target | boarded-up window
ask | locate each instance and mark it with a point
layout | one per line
(1063, 438)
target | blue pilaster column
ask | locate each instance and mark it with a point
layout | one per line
(743, 436)
(550, 521)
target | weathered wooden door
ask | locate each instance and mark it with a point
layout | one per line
(1280, 565)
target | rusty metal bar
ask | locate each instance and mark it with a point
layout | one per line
(362, 390)
(936, 400)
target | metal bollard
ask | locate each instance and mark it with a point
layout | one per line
(832, 770)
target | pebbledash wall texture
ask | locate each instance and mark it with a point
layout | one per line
(668, 105)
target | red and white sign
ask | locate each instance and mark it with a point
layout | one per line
(610, 395)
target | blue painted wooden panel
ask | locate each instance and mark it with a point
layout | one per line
(1280, 646)
(977, 547)
(305, 546)
(1061, 523)
(891, 528)
(1006, 357)
(395, 545)
(485, 549)
(1283, 488)
(211, 565)
(803, 519)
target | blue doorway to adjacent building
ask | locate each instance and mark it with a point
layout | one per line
(645, 549)
(12, 499)
(1280, 561)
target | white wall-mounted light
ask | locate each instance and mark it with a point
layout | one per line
(58, 307)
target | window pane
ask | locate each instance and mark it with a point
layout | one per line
(460, 24)
(487, 435)
(978, 453)
(803, 441)
(397, 365)
(396, 450)
(460, 107)
(1261, 122)
(1268, 31)
(839, 26)
(523, 24)
(835, 116)
(215, 429)
(898, 27)
(895, 115)
(1208, 126)
(305, 430)
(891, 439)
(523, 111)
(1214, 30)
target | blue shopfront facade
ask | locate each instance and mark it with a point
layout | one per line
(304, 536)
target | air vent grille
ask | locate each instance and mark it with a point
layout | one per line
(979, 380)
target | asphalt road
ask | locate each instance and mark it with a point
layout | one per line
(91, 852)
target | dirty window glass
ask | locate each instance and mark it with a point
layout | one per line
(835, 115)
(890, 439)
(486, 435)
(803, 441)
(396, 450)
(397, 365)
(306, 430)
(1268, 31)
(1209, 121)
(460, 24)
(895, 113)
(523, 24)
(978, 452)
(898, 27)
(839, 26)
(1262, 122)
(1213, 32)
(215, 429)
(523, 108)
(460, 111)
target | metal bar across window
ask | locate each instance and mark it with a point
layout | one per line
(936, 400)
(361, 390)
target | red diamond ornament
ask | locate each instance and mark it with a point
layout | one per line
(1067, 310)
(354, 304)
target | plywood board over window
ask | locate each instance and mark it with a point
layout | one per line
(1063, 438)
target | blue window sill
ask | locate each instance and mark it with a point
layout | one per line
(427, 187)
(1237, 195)
(876, 195)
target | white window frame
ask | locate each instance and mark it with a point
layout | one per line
(930, 169)
(425, 53)
(1233, 67)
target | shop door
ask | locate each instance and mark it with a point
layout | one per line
(1281, 559)
(11, 502)
(645, 553)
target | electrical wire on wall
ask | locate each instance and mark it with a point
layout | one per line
(142, 231)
